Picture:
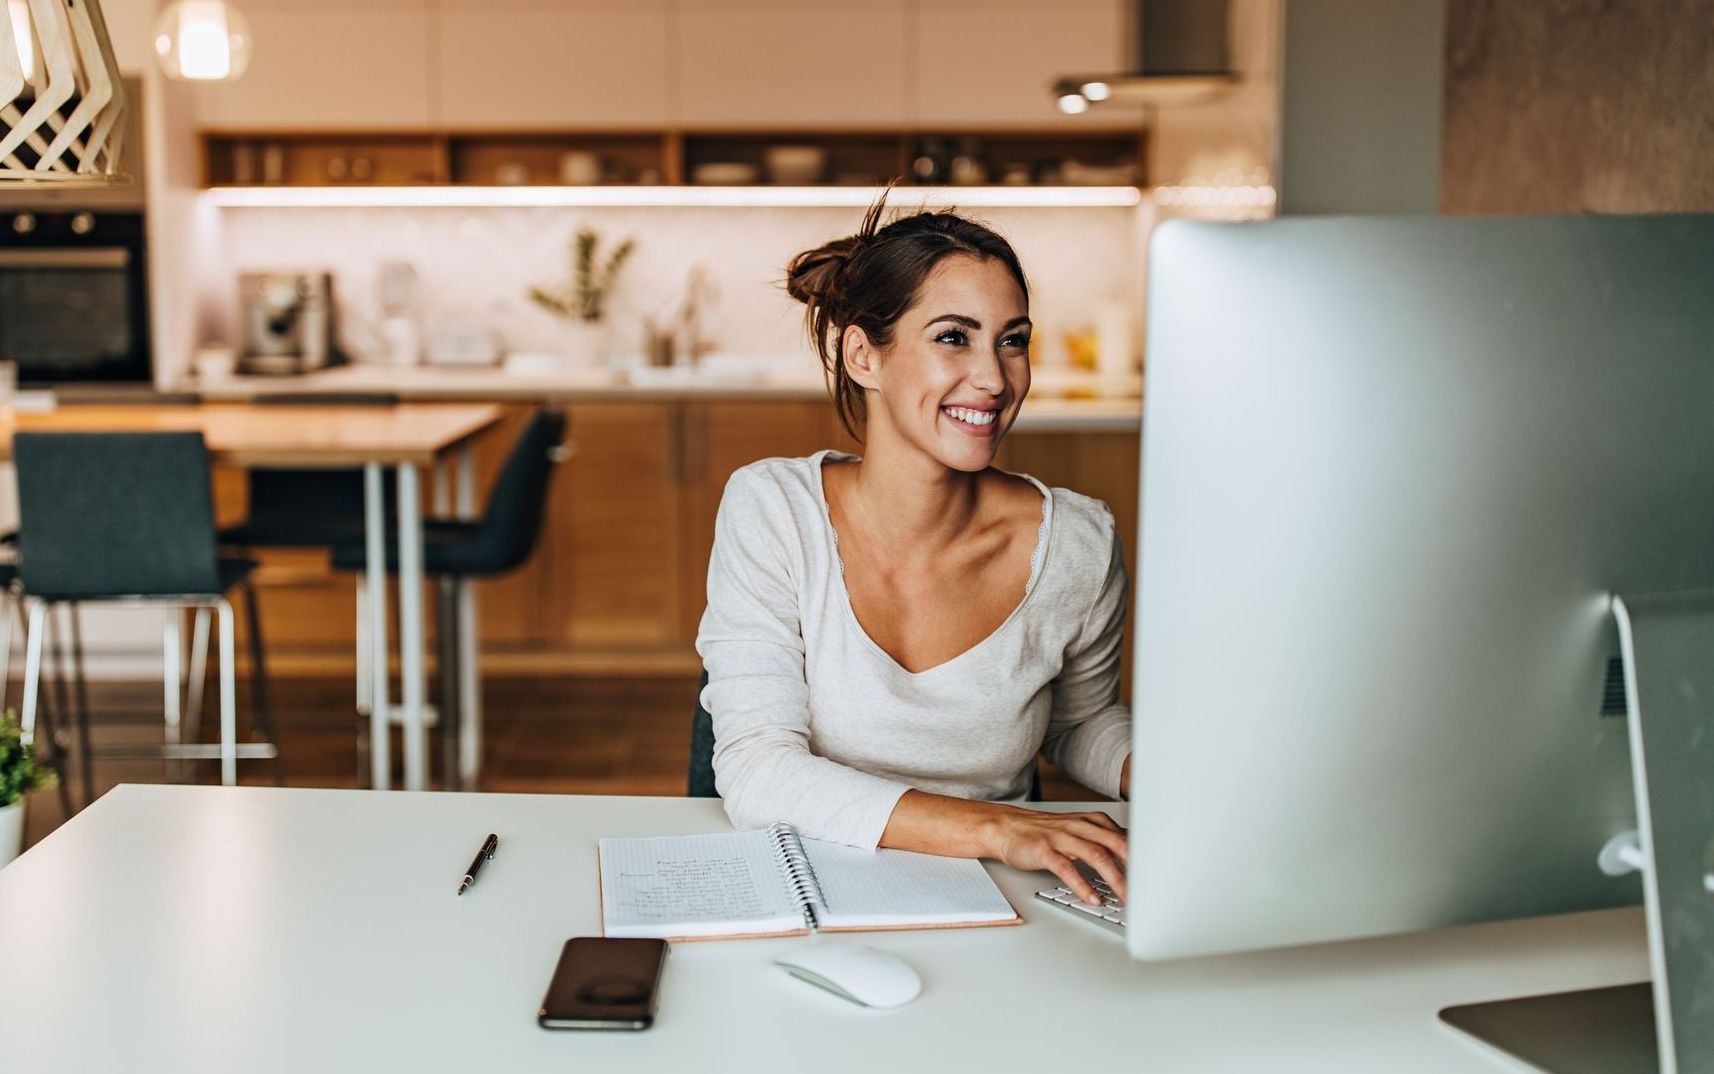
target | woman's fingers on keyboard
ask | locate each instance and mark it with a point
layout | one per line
(1031, 839)
(1113, 840)
(1066, 869)
(1106, 866)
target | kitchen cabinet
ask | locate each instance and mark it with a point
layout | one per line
(511, 64)
(327, 65)
(991, 63)
(612, 542)
(781, 64)
(459, 65)
(618, 579)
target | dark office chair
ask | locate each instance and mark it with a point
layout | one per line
(456, 550)
(130, 517)
(700, 783)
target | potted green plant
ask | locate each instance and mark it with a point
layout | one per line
(20, 773)
(582, 301)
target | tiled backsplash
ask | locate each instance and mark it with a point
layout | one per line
(481, 262)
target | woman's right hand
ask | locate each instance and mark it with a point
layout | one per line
(1056, 842)
(1022, 838)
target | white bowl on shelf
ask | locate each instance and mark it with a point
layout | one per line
(795, 165)
(725, 173)
(1072, 173)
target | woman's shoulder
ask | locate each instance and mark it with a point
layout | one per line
(779, 494)
(779, 480)
(1082, 529)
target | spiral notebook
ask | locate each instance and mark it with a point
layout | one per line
(772, 882)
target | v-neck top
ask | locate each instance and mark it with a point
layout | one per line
(818, 726)
(1038, 551)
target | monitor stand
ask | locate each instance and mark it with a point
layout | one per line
(1667, 643)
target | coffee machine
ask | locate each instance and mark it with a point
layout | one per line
(288, 322)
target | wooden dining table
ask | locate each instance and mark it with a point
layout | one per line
(404, 436)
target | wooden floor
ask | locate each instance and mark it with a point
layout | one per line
(544, 736)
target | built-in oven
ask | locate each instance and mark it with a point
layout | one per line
(73, 295)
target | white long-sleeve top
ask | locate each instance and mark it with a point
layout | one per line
(816, 725)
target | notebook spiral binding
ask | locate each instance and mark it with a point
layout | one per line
(799, 873)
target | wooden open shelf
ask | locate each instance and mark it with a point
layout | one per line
(651, 157)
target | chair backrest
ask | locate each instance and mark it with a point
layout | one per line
(115, 514)
(512, 519)
(701, 782)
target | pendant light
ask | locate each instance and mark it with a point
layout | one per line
(202, 40)
(61, 98)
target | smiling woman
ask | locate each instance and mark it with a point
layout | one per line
(891, 640)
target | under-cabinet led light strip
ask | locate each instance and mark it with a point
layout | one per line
(339, 197)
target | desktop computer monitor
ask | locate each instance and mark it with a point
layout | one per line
(1392, 471)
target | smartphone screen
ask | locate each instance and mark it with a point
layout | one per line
(603, 983)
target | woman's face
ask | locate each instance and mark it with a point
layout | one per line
(958, 369)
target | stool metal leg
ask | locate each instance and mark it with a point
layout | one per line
(198, 674)
(32, 670)
(446, 655)
(469, 675)
(228, 697)
(375, 600)
(55, 739)
(172, 649)
(80, 697)
(261, 707)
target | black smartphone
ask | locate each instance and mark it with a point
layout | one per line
(604, 983)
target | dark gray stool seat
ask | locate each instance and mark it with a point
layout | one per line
(130, 517)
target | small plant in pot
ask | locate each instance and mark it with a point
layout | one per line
(582, 301)
(20, 773)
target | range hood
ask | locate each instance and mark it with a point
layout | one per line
(1177, 55)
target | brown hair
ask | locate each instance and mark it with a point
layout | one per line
(871, 278)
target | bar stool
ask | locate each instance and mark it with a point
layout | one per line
(456, 550)
(129, 517)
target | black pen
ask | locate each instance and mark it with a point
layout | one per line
(488, 846)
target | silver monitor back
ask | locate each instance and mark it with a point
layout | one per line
(1392, 469)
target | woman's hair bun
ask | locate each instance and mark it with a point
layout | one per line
(812, 277)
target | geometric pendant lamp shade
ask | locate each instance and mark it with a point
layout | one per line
(61, 99)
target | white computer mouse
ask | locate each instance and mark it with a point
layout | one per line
(860, 974)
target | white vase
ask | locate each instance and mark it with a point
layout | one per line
(11, 831)
(586, 343)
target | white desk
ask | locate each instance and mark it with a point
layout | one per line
(191, 929)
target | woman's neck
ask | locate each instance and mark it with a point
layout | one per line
(906, 499)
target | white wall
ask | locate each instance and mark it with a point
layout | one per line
(1361, 106)
(481, 262)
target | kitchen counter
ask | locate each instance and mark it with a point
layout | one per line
(1041, 413)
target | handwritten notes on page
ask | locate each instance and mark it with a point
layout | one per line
(694, 886)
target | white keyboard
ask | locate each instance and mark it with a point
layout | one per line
(1110, 914)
